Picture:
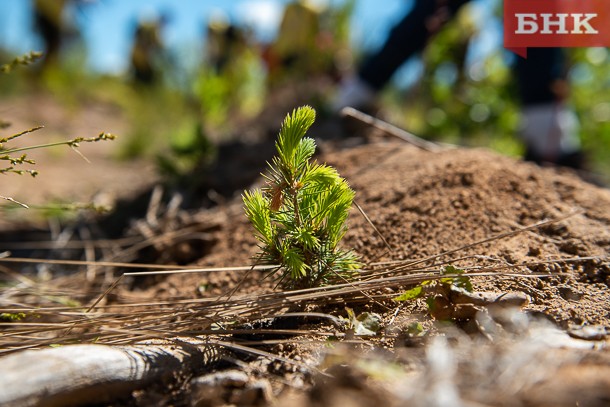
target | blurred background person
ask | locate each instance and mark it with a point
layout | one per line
(297, 35)
(147, 51)
(224, 42)
(49, 24)
(550, 128)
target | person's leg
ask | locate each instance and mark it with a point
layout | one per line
(408, 37)
(550, 128)
(405, 39)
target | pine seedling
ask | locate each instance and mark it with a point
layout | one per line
(300, 216)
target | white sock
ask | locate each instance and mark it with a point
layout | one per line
(550, 130)
(353, 92)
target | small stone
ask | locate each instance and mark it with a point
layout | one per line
(568, 293)
(588, 332)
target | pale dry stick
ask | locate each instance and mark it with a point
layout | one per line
(258, 352)
(173, 268)
(375, 275)
(17, 276)
(396, 311)
(202, 270)
(117, 281)
(391, 130)
(362, 292)
(507, 266)
(8, 198)
(382, 264)
(49, 244)
(85, 235)
(64, 235)
(75, 149)
(172, 210)
(173, 235)
(379, 266)
(153, 206)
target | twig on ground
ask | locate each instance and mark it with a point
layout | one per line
(392, 130)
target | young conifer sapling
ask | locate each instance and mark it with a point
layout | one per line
(300, 216)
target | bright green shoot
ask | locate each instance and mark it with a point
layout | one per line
(300, 216)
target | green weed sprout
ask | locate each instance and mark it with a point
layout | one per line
(14, 162)
(300, 216)
(7, 154)
(12, 159)
(26, 59)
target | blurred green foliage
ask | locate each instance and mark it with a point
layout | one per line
(590, 78)
(475, 103)
(176, 122)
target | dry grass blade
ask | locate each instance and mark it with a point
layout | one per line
(124, 326)
(368, 220)
(165, 320)
(52, 245)
(14, 136)
(410, 263)
(222, 317)
(167, 268)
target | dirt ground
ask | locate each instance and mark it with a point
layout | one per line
(471, 208)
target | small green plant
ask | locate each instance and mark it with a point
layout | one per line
(190, 149)
(12, 317)
(300, 216)
(439, 292)
(15, 157)
(14, 161)
(26, 59)
(7, 154)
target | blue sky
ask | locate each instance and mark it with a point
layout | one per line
(107, 24)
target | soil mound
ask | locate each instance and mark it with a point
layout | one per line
(427, 203)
